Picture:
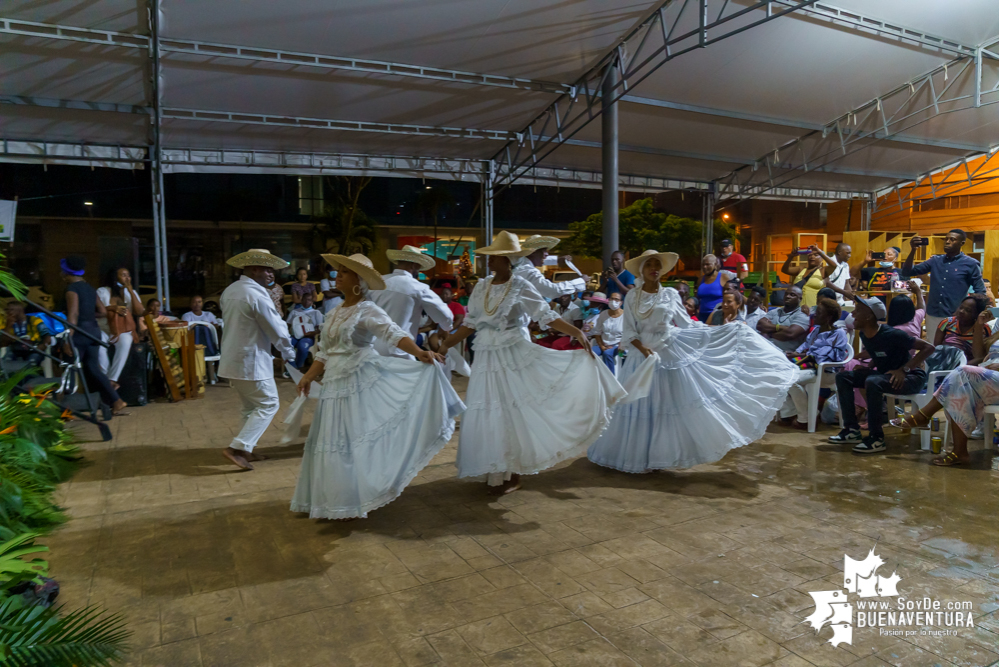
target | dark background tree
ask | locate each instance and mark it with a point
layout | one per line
(642, 227)
(342, 221)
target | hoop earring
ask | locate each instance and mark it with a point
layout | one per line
(357, 290)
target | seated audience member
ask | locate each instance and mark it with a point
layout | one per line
(787, 326)
(331, 295)
(893, 371)
(584, 319)
(153, 309)
(963, 395)
(197, 314)
(304, 322)
(729, 310)
(683, 289)
(957, 331)
(692, 305)
(755, 309)
(607, 331)
(27, 328)
(826, 343)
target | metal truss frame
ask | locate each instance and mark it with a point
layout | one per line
(916, 101)
(642, 51)
(947, 181)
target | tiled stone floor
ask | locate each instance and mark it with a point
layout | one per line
(584, 566)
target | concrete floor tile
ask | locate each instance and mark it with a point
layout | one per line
(491, 635)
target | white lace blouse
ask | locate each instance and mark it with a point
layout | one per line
(349, 330)
(651, 318)
(512, 306)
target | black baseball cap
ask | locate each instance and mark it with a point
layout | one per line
(726, 242)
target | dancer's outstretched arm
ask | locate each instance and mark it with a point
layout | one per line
(426, 356)
(461, 334)
(315, 370)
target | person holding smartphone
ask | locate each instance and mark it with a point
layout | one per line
(880, 272)
(952, 275)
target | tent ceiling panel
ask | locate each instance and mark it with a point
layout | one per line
(71, 70)
(800, 69)
(345, 96)
(542, 39)
(73, 125)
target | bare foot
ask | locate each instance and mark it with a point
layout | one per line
(508, 486)
(238, 457)
(117, 408)
(115, 385)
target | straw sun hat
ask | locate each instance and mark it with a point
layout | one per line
(411, 254)
(537, 242)
(257, 257)
(504, 244)
(667, 259)
(360, 265)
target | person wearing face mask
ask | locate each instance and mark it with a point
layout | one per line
(607, 331)
(331, 296)
(696, 392)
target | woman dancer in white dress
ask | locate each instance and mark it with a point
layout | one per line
(529, 407)
(712, 390)
(380, 419)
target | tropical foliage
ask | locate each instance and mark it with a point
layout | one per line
(343, 227)
(36, 454)
(642, 227)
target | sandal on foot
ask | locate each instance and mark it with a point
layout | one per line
(949, 459)
(909, 422)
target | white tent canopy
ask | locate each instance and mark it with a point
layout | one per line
(788, 98)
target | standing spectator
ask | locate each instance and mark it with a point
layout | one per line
(880, 278)
(123, 308)
(811, 280)
(608, 330)
(302, 286)
(304, 323)
(786, 326)
(952, 274)
(617, 278)
(837, 270)
(82, 310)
(755, 309)
(893, 371)
(28, 328)
(712, 286)
(733, 261)
(331, 296)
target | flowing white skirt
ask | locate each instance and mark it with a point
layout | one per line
(378, 422)
(530, 407)
(715, 389)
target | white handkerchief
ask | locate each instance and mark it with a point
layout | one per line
(568, 262)
(296, 376)
(294, 420)
(640, 382)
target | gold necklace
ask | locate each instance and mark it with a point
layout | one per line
(485, 299)
(644, 315)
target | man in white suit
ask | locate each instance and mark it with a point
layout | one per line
(252, 326)
(535, 251)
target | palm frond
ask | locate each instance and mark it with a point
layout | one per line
(33, 635)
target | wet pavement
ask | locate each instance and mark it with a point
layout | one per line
(583, 566)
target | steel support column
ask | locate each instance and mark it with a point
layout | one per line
(156, 159)
(609, 150)
(488, 201)
(708, 222)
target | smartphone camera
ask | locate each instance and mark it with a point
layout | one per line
(877, 255)
(923, 241)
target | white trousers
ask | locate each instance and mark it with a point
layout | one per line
(259, 403)
(121, 350)
(796, 402)
(932, 323)
(498, 478)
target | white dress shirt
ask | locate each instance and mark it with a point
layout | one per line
(205, 316)
(524, 268)
(405, 299)
(252, 326)
(610, 329)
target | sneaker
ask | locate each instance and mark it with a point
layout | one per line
(872, 444)
(847, 437)
(977, 434)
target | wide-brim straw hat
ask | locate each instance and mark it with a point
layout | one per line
(537, 242)
(360, 265)
(411, 254)
(504, 244)
(667, 259)
(257, 257)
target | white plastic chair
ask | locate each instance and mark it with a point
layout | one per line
(815, 386)
(209, 367)
(921, 400)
